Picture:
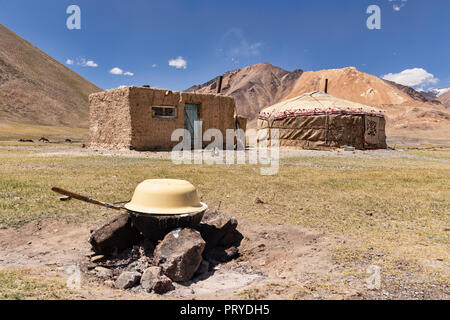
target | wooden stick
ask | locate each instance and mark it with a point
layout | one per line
(219, 84)
(85, 199)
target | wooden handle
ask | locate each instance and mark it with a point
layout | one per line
(85, 199)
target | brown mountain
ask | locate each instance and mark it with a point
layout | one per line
(253, 87)
(445, 99)
(351, 84)
(410, 115)
(38, 90)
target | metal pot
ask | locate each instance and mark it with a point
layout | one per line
(155, 227)
(157, 207)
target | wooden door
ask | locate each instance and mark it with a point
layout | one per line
(190, 118)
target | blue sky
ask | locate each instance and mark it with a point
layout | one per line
(140, 37)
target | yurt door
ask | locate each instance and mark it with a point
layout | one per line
(190, 120)
(374, 132)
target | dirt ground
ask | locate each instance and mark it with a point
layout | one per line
(276, 262)
(50, 150)
(271, 255)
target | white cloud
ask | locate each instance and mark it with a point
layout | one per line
(91, 63)
(120, 72)
(154, 65)
(82, 62)
(178, 63)
(399, 5)
(412, 77)
(116, 70)
(439, 91)
(87, 63)
(119, 87)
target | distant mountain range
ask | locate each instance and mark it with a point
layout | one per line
(35, 89)
(253, 87)
(410, 113)
(437, 94)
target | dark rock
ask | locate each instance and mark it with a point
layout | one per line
(127, 280)
(231, 253)
(258, 201)
(147, 248)
(139, 265)
(231, 239)
(154, 280)
(114, 236)
(221, 254)
(214, 226)
(179, 254)
(204, 268)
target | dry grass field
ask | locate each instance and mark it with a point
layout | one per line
(13, 130)
(389, 211)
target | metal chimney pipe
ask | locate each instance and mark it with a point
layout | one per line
(326, 86)
(219, 85)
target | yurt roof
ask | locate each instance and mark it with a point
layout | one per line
(318, 102)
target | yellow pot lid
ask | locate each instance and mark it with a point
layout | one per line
(165, 197)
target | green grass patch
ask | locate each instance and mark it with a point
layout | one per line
(20, 284)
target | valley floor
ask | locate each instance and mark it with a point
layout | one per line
(321, 228)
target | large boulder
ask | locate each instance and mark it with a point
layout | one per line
(114, 236)
(154, 280)
(215, 226)
(179, 254)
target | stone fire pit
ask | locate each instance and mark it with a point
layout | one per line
(124, 258)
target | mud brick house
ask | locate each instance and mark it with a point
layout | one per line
(143, 118)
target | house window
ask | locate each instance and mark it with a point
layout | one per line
(164, 112)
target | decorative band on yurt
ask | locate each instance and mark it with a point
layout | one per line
(317, 112)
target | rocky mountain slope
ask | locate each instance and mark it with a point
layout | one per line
(36, 89)
(435, 94)
(351, 84)
(409, 113)
(253, 87)
(445, 99)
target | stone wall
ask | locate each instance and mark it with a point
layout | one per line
(110, 120)
(150, 133)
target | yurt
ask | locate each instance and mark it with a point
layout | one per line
(319, 120)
